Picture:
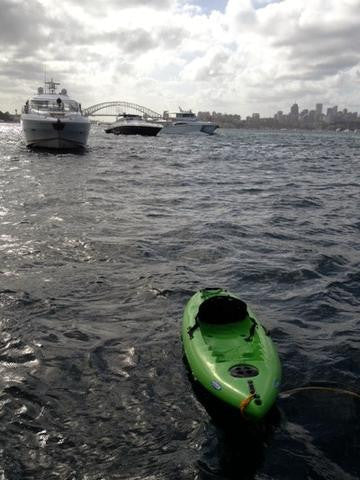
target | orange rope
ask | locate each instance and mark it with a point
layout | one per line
(244, 404)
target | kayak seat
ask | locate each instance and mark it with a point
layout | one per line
(220, 310)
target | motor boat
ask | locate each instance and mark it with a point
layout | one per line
(54, 120)
(128, 124)
(185, 122)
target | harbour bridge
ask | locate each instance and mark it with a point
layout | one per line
(112, 109)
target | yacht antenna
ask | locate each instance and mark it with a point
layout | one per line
(52, 85)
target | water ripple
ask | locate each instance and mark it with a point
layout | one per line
(99, 253)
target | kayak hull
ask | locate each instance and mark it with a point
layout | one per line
(234, 358)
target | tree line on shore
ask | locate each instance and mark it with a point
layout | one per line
(8, 117)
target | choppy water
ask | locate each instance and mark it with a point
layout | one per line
(99, 253)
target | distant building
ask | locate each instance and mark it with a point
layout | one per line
(318, 109)
(330, 115)
(294, 110)
(318, 112)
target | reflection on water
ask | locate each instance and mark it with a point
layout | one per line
(320, 421)
(232, 444)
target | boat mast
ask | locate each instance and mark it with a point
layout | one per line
(52, 85)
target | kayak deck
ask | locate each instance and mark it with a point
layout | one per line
(229, 344)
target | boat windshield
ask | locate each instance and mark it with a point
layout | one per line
(42, 106)
(188, 115)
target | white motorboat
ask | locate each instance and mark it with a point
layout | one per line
(185, 122)
(128, 124)
(54, 120)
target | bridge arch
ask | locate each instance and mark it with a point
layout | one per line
(112, 109)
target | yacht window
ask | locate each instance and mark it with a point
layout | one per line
(53, 106)
(39, 105)
(71, 106)
(185, 115)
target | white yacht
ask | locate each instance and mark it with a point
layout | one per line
(185, 122)
(128, 124)
(54, 120)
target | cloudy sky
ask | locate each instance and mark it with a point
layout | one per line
(231, 56)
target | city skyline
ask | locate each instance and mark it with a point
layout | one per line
(319, 109)
(230, 56)
(294, 110)
(331, 117)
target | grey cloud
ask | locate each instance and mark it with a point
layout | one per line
(245, 17)
(136, 41)
(17, 69)
(335, 65)
(268, 93)
(157, 4)
(24, 34)
(317, 67)
(318, 70)
(214, 69)
(22, 23)
(334, 48)
(312, 39)
(22, 31)
(131, 41)
(319, 51)
(14, 21)
(28, 75)
(94, 7)
(123, 68)
(263, 3)
(171, 37)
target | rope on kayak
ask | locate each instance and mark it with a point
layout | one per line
(192, 329)
(252, 330)
(245, 403)
(321, 388)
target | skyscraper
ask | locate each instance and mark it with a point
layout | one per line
(318, 109)
(294, 110)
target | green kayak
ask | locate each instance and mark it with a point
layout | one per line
(230, 353)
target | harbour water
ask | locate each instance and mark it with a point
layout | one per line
(99, 252)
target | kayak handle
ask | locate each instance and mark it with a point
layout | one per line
(192, 329)
(252, 331)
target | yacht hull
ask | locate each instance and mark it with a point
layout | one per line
(55, 133)
(209, 129)
(189, 128)
(147, 131)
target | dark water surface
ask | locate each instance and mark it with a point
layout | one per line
(99, 253)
